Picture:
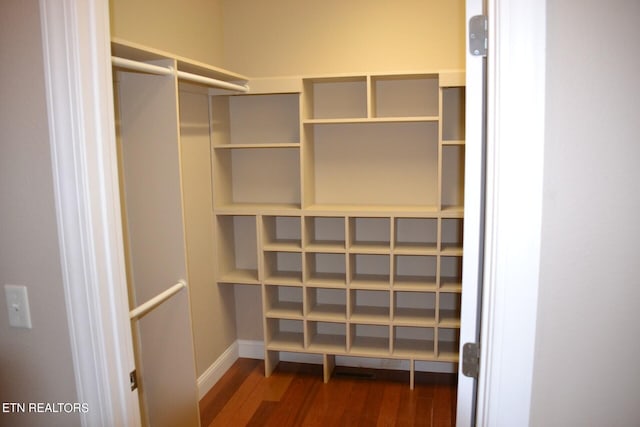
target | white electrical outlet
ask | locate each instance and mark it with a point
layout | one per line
(18, 306)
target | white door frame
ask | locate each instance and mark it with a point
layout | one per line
(473, 224)
(77, 61)
(515, 160)
(513, 207)
(80, 108)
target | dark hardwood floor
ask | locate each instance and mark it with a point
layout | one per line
(295, 395)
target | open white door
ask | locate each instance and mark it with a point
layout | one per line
(75, 36)
(473, 219)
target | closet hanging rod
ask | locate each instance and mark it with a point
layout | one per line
(143, 309)
(140, 66)
(159, 70)
(212, 82)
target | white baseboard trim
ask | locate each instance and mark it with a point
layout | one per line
(251, 349)
(212, 375)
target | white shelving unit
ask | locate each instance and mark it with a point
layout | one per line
(342, 198)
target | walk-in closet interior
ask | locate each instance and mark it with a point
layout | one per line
(292, 181)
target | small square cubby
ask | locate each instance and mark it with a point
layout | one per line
(451, 240)
(369, 339)
(453, 114)
(415, 272)
(326, 234)
(369, 271)
(327, 337)
(283, 301)
(325, 269)
(369, 235)
(414, 308)
(448, 343)
(281, 233)
(283, 267)
(326, 304)
(368, 306)
(416, 235)
(413, 342)
(284, 334)
(451, 273)
(449, 305)
(452, 179)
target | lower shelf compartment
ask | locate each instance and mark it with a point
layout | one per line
(413, 342)
(284, 334)
(423, 343)
(340, 362)
(327, 337)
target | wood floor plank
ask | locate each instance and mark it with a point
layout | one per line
(388, 414)
(262, 414)
(232, 413)
(277, 385)
(296, 401)
(415, 409)
(340, 396)
(445, 398)
(266, 389)
(213, 402)
(356, 404)
(372, 404)
(320, 405)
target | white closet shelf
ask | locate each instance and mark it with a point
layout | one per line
(372, 120)
(372, 210)
(254, 208)
(258, 145)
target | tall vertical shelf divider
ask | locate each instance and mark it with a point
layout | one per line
(342, 198)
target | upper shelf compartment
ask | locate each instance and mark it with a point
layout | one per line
(187, 69)
(335, 99)
(376, 98)
(410, 96)
(256, 121)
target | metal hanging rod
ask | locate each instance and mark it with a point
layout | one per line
(140, 66)
(159, 70)
(143, 309)
(211, 82)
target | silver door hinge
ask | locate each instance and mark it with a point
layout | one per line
(471, 359)
(478, 35)
(133, 380)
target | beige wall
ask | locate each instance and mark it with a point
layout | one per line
(293, 37)
(302, 37)
(35, 364)
(586, 370)
(189, 28)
